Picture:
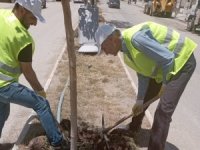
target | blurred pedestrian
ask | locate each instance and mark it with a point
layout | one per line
(197, 16)
(164, 62)
(16, 49)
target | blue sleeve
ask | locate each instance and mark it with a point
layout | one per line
(143, 83)
(144, 42)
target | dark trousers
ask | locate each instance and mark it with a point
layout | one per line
(167, 104)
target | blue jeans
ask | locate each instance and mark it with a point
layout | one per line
(19, 94)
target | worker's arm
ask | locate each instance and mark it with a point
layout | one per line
(147, 44)
(29, 74)
(25, 61)
(143, 83)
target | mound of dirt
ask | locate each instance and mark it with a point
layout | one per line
(89, 138)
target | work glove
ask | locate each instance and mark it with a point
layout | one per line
(41, 93)
(138, 107)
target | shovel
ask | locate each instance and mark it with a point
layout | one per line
(107, 130)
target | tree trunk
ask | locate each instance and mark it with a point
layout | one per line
(72, 71)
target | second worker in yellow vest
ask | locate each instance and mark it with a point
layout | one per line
(164, 62)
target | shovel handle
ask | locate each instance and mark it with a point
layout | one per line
(106, 130)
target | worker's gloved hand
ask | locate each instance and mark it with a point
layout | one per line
(138, 107)
(41, 93)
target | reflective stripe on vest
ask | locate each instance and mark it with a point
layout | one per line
(177, 50)
(5, 77)
(179, 44)
(168, 37)
(10, 69)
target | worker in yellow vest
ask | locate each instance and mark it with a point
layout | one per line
(16, 50)
(164, 62)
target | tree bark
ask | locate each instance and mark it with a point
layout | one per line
(72, 71)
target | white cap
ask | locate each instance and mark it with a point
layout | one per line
(34, 6)
(103, 33)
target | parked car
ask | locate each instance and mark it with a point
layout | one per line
(114, 4)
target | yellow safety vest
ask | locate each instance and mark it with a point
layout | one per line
(181, 46)
(13, 38)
